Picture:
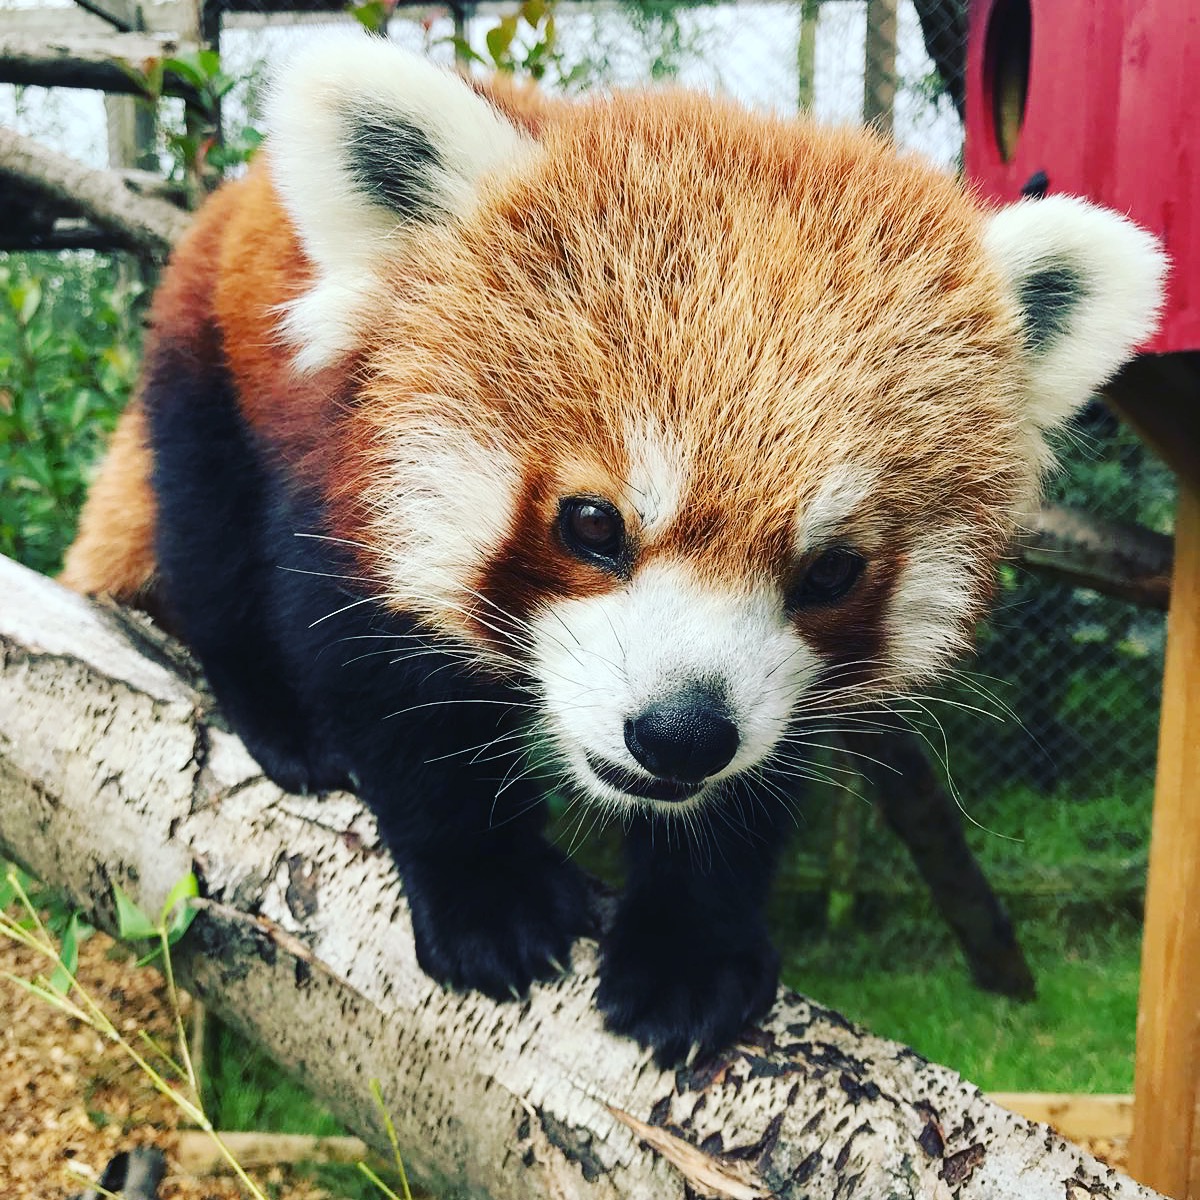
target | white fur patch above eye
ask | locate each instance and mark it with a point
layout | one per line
(1088, 283)
(366, 141)
(928, 622)
(840, 495)
(658, 474)
(444, 507)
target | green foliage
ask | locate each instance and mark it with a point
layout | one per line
(373, 15)
(60, 919)
(69, 342)
(521, 43)
(641, 39)
(196, 143)
(172, 923)
(246, 1089)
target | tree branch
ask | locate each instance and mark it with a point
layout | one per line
(118, 63)
(114, 768)
(1114, 558)
(141, 223)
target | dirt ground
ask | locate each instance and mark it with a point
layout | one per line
(69, 1101)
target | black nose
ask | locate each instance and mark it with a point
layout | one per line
(687, 737)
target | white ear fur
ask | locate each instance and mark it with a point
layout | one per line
(1089, 284)
(367, 140)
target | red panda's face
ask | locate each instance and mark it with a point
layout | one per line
(699, 424)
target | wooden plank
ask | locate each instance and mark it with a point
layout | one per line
(197, 1153)
(167, 16)
(1079, 1118)
(1159, 395)
(1165, 1152)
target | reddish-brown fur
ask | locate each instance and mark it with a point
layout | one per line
(802, 296)
(784, 296)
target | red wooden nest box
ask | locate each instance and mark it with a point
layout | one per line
(1103, 97)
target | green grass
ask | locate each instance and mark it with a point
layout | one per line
(905, 979)
(245, 1089)
(897, 969)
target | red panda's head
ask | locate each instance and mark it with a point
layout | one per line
(699, 421)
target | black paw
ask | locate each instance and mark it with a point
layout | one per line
(292, 769)
(673, 993)
(498, 923)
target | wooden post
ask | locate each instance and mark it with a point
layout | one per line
(806, 54)
(1165, 1152)
(1166, 1140)
(848, 810)
(879, 73)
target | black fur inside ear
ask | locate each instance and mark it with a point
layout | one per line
(1048, 296)
(394, 163)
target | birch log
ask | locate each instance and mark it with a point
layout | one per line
(114, 768)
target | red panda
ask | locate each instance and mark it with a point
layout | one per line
(488, 443)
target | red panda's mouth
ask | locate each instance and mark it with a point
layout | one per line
(643, 786)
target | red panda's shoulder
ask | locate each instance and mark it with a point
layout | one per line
(234, 272)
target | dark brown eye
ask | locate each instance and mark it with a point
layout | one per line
(827, 578)
(593, 530)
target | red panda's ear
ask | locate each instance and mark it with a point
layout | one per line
(366, 141)
(1089, 285)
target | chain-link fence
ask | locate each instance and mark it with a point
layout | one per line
(1073, 675)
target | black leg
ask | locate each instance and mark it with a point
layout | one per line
(217, 575)
(493, 905)
(688, 961)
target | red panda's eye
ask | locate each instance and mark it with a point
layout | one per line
(593, 530)
(827, 578)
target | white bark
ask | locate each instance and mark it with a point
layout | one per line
(143, 222)
(113, 768)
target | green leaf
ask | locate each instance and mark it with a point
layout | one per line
(186, 889)
(178, 914)
(43, 992)
(132, 924)
(464, 51)
(187, 69)
(533, 11)
(152, 80)
(372, 15)
(209, 61)
(69, 952)
(60, 981)
(500, 37)
(25, 299)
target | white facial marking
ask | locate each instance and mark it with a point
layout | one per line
(602, 660)
(658, 474)
(840, 496)
(926, 625)
(449, 502)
